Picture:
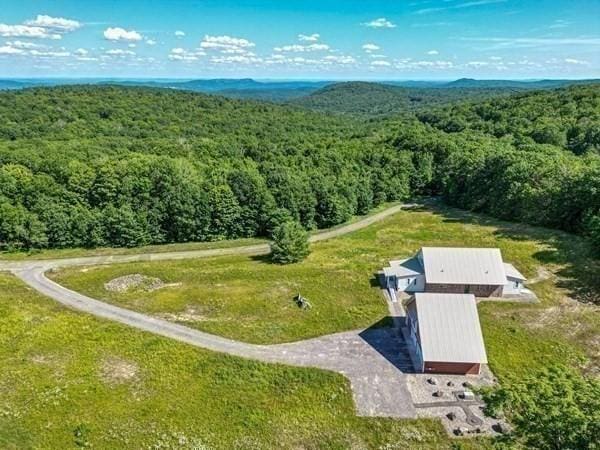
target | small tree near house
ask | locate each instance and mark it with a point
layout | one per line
(290, 243)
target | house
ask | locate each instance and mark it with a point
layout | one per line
(445, 333)
(477, 271)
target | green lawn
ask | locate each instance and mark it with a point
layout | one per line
(250, 299)
(68, 380)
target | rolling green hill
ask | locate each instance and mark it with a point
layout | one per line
(378, 99)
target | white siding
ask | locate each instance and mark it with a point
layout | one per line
(411, 284)
(513, 286)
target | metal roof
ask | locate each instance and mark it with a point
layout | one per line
(404, 268)
(512, 272)
(449, 328)
(463, 265)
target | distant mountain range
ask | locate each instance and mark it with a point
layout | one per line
(320, 94)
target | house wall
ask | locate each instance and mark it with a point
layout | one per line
(412, 322)
(414, 283)
(513, 286)
(478, 290)
(452, 368)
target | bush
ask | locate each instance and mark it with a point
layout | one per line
(290, 243)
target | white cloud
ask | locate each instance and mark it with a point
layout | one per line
(81, 51)
(27, 31)
(458, 6)
(22, 45)
(50, 54)
(433, 52)
(8, 50)
(225, 43)
(409, 64)
(297, 48)
(536, 42)
(120, 34)
(309, 38)
(150, 42)
(576, 61)
(340, 59)
(496, 58)
(58, 24)
(378, 56)
(181, 54)
(119, 52)
(382, 22)
(380, 63)
(179, 33)
(560, 23)
(370, 47)
(240, 59)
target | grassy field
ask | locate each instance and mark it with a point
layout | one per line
(68, 380)
(251, 299)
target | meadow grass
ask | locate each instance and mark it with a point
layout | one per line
(68, 380)
(250, 299)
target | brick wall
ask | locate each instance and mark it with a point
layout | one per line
(478, 290)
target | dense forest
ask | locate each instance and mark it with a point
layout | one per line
(126, 166)
(365, 99)
(92, 166)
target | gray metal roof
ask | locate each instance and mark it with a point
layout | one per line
(449, 328)
(512, 272)
(447, 265)
(404, 268)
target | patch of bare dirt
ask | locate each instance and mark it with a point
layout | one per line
(117, 371)
(189, 315)
(541, 275)
(136, 281)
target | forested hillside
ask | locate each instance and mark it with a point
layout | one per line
(125, 166)
(91, 166)
(531, 157)
(566, 118)
(378, 99)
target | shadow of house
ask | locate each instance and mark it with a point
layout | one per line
(389, 343)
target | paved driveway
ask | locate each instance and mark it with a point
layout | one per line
(374, 360)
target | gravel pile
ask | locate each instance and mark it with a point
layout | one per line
(135, 281)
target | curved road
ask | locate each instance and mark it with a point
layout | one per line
(374, 360)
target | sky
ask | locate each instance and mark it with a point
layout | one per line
(307, 39)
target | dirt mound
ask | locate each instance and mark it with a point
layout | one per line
(135, 281)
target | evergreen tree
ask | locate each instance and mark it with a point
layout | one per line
(290, 243)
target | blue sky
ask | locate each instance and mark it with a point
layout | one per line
(324, 39)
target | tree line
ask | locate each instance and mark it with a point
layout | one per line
(115, 166)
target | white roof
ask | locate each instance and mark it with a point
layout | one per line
(449, 328)
(512, 272)
(404, 268)
(446, 265)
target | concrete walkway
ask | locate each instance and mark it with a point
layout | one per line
(374, 360)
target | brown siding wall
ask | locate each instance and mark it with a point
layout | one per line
(478, 290)
(453, 368)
